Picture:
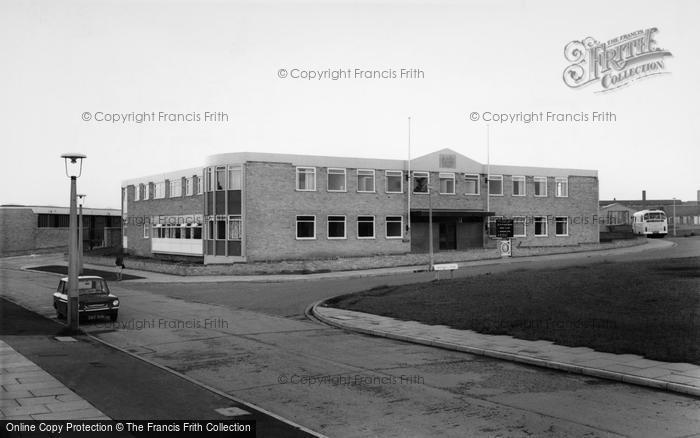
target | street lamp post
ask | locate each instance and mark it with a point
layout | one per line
(674, 217)
(430, 229)
(81, 225)
(74, 168)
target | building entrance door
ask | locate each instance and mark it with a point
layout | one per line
(448, 236)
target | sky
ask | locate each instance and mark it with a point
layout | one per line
(70, 60)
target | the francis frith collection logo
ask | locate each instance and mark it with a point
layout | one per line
(615, 63)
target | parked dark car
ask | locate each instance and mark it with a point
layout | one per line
(94, 298)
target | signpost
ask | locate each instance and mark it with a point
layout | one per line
(504, 231)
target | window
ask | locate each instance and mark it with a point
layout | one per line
(472, 183)
(199, 184)
(210, 227)
(492, 224)
(306, 179)
(540, 185)
(540, 225)
(175, 188)
(562, 187)
(209, 178)
(365, 227)
(234, 227)
(234, 177)
(306, 227)
(336, 180)
(394, 227)
(336, 227)
(220, 227)
(188, 186)
(159, 190)
(394, 181)
(561, 226)
(519, 226)
(518, 186)
(495, 185)
(365, 180)
(447, 183)
(220, 177)
(146, 231)
(420, 182)
(137, 192)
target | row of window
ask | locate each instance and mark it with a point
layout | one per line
(336, 181)
(192, 186)
(223, 177)
(540, 224)
(337, 227)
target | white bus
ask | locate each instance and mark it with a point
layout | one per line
(651, 223)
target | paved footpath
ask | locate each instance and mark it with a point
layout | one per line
(30, 393)
(629, 368)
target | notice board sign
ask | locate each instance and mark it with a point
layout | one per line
(504, 228)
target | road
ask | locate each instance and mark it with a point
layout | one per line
(258, 347)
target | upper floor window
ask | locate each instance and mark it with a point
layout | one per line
(188, 186)
(562, 187)
(447, 183)
(137, 192)
(518, 186)
(495, 185)
(421, 180)
(306, 179)
(209, 179)
(234, 177)
(394, 181)
(220, 177)
(540, 185)
(336, 180)
(146, 191)
(175, 188)
(365, 180)
(472, 183)
(159, 190)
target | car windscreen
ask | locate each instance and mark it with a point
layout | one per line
(86, 287)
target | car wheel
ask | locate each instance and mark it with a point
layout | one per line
(113, 316)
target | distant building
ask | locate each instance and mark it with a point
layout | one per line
(615, 215)
(29, 229)
(683, 215)
(244, 207)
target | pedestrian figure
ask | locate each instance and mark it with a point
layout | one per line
(119, 264)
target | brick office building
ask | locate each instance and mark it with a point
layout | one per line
(246, 206)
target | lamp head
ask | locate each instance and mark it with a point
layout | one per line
(74, 164)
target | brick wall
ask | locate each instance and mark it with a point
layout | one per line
(19, 233)
(272, 204)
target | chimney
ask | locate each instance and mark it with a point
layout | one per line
(644, 199)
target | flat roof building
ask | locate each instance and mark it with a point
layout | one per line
(31, 228)
(246, 206)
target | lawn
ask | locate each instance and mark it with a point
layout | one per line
(649, 308)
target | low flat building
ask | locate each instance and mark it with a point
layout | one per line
(251, 207)
(29, 228)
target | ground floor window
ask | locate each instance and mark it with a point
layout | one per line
(306, 227)
(561, 226)
(394, 227)
(492, 224)
(519, 227)
(177, 231)
(365, 227)
(540, 225)
(234, 227)
(336, 227)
